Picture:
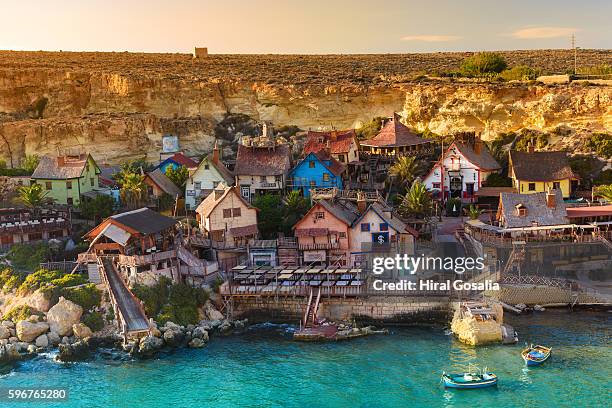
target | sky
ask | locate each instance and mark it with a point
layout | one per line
(304, 26)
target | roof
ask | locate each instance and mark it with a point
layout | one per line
(334, 166)
(339, 211)
(59, 168)
(541, 166)
(220, 167)
(164, 183)
(262, 161)
(339, 141)
(494, 191)
(538, 213)
(394, 222)
(210, 202)
(592, 211)
(144, 220)
(483, 160)
(181, 160)
(395, 134)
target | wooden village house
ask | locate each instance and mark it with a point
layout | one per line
(158, 185)
(342, 145)
(396, 139)
(262, 169)
(175, 161)
(205, 178)
(23, 226)
(316, 170)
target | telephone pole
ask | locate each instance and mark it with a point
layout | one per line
(575, 53)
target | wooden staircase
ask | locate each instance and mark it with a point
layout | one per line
(310, 316)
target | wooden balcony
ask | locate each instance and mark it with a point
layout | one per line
(140, 260)
(319, 246)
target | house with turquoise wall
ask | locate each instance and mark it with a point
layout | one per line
(66, 179)
(177, 160)
(316, 170)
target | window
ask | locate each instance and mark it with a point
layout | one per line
(236, 212)
(198, 185)
(206, 166)
(319, 215)
(92, 182)
(326, 177)
(384, 226)
(342, 234)
(262, 179)
(278, 179)
(215, 184)
(365, 227)
(48, 185)
(556, 185)
(311, 164)
(341, 158)
(69, 201)
(436, 185)
(531, 187)
(227, 213)
(69, 185)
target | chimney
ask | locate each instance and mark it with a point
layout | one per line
(215, 155)
(61, 161)
(327, 146)
(333, 135)
(551, 199)
(530, 147)
(361, 202)
(477, 144)
(218, 193)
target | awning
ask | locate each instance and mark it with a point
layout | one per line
(244, 231)
(311, 232)
(116, 234)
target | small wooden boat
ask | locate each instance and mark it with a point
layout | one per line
(536, 355)
(468, 380)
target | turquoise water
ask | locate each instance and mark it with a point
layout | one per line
(264, 368)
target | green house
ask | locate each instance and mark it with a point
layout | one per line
(67, 178)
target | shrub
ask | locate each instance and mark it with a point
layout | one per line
(483, 63)
(601, 143)
(22, 312)
(28, 256)
(87, 296)
(10, 280)
(605, 177)
(38, 279)
(497, 180)
(370, 129)
(70, 279)
(520, 73)
(93, 320)
(110, 315)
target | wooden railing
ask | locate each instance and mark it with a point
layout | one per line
(139, 260)
(321, 246)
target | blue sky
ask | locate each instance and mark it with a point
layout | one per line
(311, 26)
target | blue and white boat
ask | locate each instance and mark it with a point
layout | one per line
(536, 355)
(469, 380)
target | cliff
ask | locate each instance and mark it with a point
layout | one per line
(118, 105)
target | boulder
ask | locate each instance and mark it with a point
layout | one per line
(9, 324)
(13, 339)
(149, 345)
(5, 332)
(42, 341)
(226, 327)
(31, 348)
(155, 332)
(81, 330)
(173, 337)
(12, 353)
(63, 316)
(200, 333)
(197, 343)
(172, 326)
(28, 331)
(211, 312)
(73, 352)
(39, 301)
(54, 338)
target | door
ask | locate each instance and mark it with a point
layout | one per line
(469, 189)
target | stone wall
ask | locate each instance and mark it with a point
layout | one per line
(373, 309)
(537, 295)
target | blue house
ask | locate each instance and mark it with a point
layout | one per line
(177, 160)
(316, 170)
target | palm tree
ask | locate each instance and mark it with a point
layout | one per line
(295, 208)
(417, 201)
(133, 189)
(605, 192)
(33, 196)
(404, 170)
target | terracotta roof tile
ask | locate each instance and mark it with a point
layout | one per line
(339, 141)
(183, 160)
(395, 134)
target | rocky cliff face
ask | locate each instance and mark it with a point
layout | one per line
(122, 113)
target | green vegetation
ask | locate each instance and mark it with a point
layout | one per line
(93, 320)
(97, 208)
(482, 64)
(453, 207)
(22, 312)
(44, 278)
(473, 212)
(370, 129)
(33, 196)
(10, 279)
(520, 73)
(602, 69)
(178, 175)
(605, 177)
(404, 170)
(133, 190)
(29, 163)
(605, 192)
(295, 208)
(86, 295)
(28, 256)
(539, 140)
(276, 215)
(417, 202)
(287, 131)
(585, 166)
(177, 303)
(497, 180)
(601, 143)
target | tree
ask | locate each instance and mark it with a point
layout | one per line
(417, 202)
(270, 215)
(97, 208)
(178, 175)
(483, 63)
(497, 180)
(133, 190)
(605, 192)
(404, 170)
(30, 162)
(33, 196)
(370, 129)
(295, 208)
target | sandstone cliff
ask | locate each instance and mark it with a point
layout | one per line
(118, 106)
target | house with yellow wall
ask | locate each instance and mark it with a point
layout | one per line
(538, 172)
(67, 178)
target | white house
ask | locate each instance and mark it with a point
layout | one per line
(205, 178)
(464, 166)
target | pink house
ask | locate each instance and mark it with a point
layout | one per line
(323, 234)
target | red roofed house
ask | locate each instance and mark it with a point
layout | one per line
(464, 166)
(260, 170)
(342, 145)
(177, 160)
(396, 139)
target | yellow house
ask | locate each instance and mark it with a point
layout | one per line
(538, 172)
(67, 178)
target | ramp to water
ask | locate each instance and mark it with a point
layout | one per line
(131, 311)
